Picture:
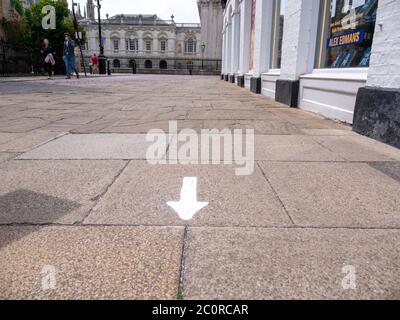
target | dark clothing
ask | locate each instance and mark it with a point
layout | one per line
(47, 51)
(48, 66)
(69, 48)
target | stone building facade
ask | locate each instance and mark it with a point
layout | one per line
(339, 58)
(150, 44)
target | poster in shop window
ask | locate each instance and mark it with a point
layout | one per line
(350, 33)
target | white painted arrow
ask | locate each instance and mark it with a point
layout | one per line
(188, 206)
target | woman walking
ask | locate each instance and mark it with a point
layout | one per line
(48, 57)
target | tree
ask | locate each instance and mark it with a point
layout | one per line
(17, 6)
(36, 33)
(14, 29)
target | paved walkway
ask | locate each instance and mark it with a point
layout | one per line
(84, 215)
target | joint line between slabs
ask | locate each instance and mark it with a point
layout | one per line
(97, 198)
(275, 193)
(180, 293)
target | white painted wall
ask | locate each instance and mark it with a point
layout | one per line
(331, 92)
(299, 38)
(384, 68)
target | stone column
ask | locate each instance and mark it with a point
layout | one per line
(229, 48)
(235, 43)
(298, 48)
(262, 43)
(377, 110)
(223, 54)
(245, 28)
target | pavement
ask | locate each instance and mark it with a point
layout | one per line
(84, 214)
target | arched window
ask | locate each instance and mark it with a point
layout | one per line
(116, 63)
(163, 64)
(190, 46)
(148, 64)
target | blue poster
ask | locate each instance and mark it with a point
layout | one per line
(354, 37)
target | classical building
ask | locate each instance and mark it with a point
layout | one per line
(339, 58)
(148, 43)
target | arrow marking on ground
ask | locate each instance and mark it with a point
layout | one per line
(188, 205)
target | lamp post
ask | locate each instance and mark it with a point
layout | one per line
(203, 48)
(77, 35)
(102, 59)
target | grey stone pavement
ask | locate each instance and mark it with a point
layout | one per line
(83, 215)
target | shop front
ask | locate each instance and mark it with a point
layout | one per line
(344, 41)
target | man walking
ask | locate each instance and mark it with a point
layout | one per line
(69, 56)
(95, 64)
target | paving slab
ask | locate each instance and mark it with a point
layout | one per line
(336, 194)
(135, 199)
(89, 263)
(292, 148)
(267, 264)
(6, 156)
(261, 127)
(329, 132)
(391, 169)
(145, 126)
(52, 191)
(93, 146)
(29, 141)
(359, 148)
(22, 125)
(231, 115)
(6, 137)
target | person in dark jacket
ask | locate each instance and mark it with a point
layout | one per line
(48, 57)
(69, 56)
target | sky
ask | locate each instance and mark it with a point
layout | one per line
(183, 10)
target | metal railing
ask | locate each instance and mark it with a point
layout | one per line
(165, 65)
(20, 60)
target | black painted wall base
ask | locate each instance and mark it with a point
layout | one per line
(226, 77)
(287, 92)
(240, 81)
(255, 85)
(377, 114)
(232, 79)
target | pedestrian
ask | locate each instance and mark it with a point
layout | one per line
(69, 55)
(95, 64)
(48, 57)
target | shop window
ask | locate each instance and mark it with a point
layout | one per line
(345, 35)
(277, 33)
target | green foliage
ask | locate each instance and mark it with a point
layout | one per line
(33, 24)
(17, 5)
(15, 32)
